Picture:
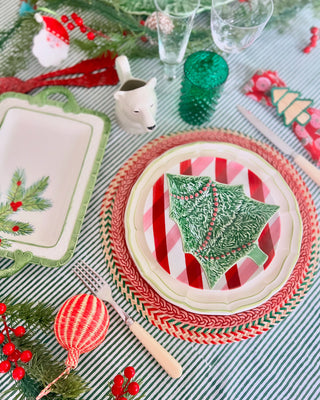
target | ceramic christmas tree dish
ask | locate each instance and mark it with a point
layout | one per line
(218, 223)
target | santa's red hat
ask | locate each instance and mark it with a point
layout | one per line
(55, 27)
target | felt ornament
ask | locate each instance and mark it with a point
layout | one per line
(80, 326)
(307, 129)
(218, 223)
(51, 44)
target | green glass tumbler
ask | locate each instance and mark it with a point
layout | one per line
(204, 75)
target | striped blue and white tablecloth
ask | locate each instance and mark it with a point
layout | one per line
(283, 363)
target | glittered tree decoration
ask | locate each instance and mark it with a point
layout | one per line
(218, 223)
(9, 349)
(21, 198)
(291, 106)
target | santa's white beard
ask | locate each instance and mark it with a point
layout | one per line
(49, 49)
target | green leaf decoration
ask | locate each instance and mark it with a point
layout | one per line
(218, 223)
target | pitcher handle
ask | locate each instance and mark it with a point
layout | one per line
(123, 69)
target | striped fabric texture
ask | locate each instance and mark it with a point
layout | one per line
(281, 364)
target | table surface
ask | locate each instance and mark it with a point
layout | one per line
(281, 364)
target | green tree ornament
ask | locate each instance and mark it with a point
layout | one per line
(218, 223)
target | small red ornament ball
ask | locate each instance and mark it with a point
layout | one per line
(19, 331)
(91, 35)
(5, 366)
(70, 26)
(116, 390)
(14, 357)
(8, 349)
(314, 30)
(3, 308)
(26, 356)
(2, 337)
(64, 19)
(129, 372)
(118, 380)
(18, 373)
(133, 388)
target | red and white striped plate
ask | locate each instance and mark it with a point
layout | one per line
(155, 244)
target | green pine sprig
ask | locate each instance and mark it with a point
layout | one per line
(43, 368)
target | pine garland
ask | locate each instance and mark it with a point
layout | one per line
(120, 20)
(43, 367)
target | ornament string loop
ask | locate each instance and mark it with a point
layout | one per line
(47, 390)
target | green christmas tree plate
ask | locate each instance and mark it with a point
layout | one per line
(172, 266)
(50, 153)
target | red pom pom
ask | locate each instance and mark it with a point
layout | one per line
(8, 349)
(18, 373)
(129, 372)
(116, 390)
(26, 356)
(2, 337)
(3, 308)
(19, 331)
(5, 366)
(64, 19)
(91, 35)
(133, 388)
(314, 30)
(118, 380)
(70, 26)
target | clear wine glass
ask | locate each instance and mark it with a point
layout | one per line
(236, 24)
(174, 24)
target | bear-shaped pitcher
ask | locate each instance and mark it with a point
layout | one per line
(136, 100)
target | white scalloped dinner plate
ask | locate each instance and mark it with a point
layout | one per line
(219, 300)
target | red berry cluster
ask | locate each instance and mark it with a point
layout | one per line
(79, 22)
(10, 350)
(313, 40)
(122, 386)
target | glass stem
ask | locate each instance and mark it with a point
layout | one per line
(170, 71)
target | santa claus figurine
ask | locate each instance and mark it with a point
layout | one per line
(51, 44)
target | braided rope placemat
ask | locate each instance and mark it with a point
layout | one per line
(207, 329)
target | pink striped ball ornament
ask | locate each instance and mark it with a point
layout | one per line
(80, 326)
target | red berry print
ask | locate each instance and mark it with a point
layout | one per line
(133, 388)
(26, 356)
(129, 372)
(118, 380)
(8, 349)
(64, 19)
(19, 183)
(70, 26)
(19, 331)
(15, 228)
(18, 373)
(5, 366)
(15, 205)
(3, 308)
(91, 35)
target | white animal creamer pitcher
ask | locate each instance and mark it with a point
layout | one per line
(136, 101)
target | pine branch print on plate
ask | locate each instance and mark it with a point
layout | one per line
(21, 198)
(218, 223)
